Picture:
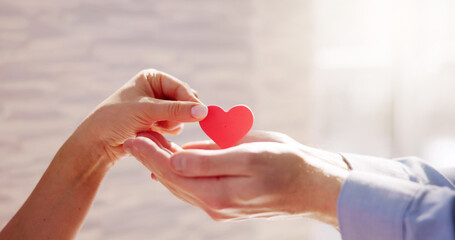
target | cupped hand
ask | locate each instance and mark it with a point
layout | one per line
(151, 100)
(266, 175)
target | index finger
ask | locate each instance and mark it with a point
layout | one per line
(166, 86)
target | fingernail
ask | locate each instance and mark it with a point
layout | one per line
(154, 177)
(199, 111)
(178, 163)
(128, 146)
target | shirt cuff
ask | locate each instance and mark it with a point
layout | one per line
(377, 165)
(372, 206)
(410, 168)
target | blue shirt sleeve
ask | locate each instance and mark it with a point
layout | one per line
(409, 168)
(403, 199)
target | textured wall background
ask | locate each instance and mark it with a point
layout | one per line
(373, 77)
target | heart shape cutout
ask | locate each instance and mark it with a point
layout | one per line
(227, 128)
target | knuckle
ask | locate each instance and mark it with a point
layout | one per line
(252, 160)
(203, 165)
(276, 133)
(144, 75)
(148, 72)
(180, 88)
(174, 110)
(150, 76)
(195, 93)
(186, 85)
(278, 137)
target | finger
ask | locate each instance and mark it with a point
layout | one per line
(268, 136)
(234, 161)
(161, 141)
(207, 193)
(195, 93)
(203, 145)
(157, 138)
(182, 195)
(167, 127)
(175, 148)
(177, 111)
(258, 136)
(214, 213)
(166, 86)
(153, 176)
(156, 159)
(150, 154)
(252, 136)
(172, 132)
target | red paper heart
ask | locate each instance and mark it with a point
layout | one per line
(227, 128)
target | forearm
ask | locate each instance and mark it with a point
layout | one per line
(60, 201)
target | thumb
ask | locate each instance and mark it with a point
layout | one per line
(179, 111)
(234, 161)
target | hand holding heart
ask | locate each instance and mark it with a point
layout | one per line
(151, 100)
(265, 175)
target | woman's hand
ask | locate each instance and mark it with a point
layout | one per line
(59, 203)
(266, 175)
(151, 100)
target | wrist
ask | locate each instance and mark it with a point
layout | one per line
(330, 190)
(332, 158)
(326, 197)
(91, 137)
(331, 170)
(84, 158)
